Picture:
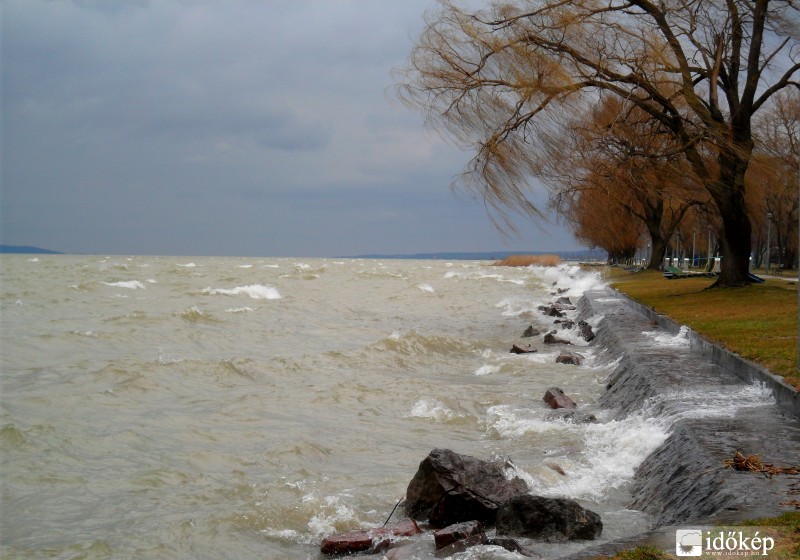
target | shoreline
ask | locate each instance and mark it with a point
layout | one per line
(684, 483)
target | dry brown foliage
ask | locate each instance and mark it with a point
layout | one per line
(753, 463)
(529, 260)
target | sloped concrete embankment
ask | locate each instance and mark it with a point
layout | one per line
(714, 404)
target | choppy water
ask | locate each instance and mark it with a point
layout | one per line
(161, 407)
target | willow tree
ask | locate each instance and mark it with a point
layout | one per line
(602, 220)
(613, 151)
(496, 79)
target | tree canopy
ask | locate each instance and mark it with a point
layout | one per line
(505, 81)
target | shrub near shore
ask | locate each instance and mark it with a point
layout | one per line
(758, 322)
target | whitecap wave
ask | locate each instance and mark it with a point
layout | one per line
(128, 285)
(611, 453)
(487, 369)
(331, 513)
(255, 291)
(432, 409)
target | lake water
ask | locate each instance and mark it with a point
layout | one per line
(174, 407)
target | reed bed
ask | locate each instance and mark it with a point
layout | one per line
(529, 260)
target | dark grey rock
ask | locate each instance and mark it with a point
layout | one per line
(549, 519)
(530, 331)
(450, 488)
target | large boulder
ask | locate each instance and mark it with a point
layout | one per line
(549, 519)
(556, 398)
(450, 488)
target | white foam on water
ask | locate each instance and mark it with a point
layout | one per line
(487, 369)
(433, 410)
(478, 275)
(289, 535)
(128, 285)
(516, 306)
(427, 288)
(675, 341)
(255, 291)
(187, 265)
(610, 454)
(239, 310)
(506, 421)
(702, 403)
(331, 513)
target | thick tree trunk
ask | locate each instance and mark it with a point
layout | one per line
(735, 237)
(659, 251)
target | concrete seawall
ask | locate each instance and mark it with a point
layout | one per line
(715, 404)
(785, 395)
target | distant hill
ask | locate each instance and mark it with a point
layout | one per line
(580, 255)
(26, 250)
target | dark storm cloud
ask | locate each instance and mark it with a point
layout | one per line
(244, 126)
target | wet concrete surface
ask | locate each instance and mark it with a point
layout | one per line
(713, 410)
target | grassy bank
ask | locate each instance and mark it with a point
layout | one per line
(758, 322)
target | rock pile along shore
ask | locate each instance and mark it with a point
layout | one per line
(459, 496)
(688, 478)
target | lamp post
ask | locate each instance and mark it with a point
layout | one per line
(694, 234)
(769, 224)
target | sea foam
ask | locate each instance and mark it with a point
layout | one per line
(255, 291)
(129, 284)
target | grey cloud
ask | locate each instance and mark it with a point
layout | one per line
(130, 123)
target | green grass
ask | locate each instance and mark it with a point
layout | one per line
(758, 322)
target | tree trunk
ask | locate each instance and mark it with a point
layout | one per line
(659, 251)
(735, 237)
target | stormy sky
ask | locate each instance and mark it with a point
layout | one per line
(236, 127)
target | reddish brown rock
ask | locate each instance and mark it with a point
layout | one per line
(459, 532)
(556, 398)
(522, 349)
(572, 358)
(375, 539)
(551, 338)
